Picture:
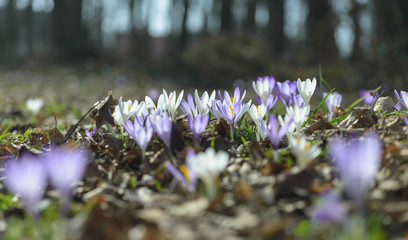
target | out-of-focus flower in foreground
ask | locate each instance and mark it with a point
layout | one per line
(402, 98)
(274, 132)
(370, 97)
(186, 175)
(208, 165)
(332, 101)
(125, 110)
(64, 169)
(306, 89)
(162, 125)
(303, 150)
(358, 162)
(197, 125)
(405, 120)
(34, 105)
(330, 209)
(27, 178)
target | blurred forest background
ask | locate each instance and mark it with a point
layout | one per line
(209, 43)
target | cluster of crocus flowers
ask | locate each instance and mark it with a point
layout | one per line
(358, 161)
(28, 175)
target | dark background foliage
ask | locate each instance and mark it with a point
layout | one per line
(209, 43)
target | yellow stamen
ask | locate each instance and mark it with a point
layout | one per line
(257, 110)
(184, 171)
(232, 99)
(232, 110)
(129, 107)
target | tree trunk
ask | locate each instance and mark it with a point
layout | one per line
(275, 26)
(184, 33)
(320, 32)
(250, 18)
(226, 15)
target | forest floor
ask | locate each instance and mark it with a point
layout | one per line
(123, 196)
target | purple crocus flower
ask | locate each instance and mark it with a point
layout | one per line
(298, 100)
(358, 162)
(28, 179)
(141, 134)
(162, 125)
(232, 100)
(231, 109)
(402, 98)
(285, 91)
(369, 99)
(231, 112)
(186, 175)
(405, 120)
(188, 107)
(270, 101)
(273, 132)
(329, 209)
(64, 169)
(332, 101)
(197, 125)
(90, 134)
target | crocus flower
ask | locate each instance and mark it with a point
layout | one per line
(141, 133)
(402, 98)
(329, 209)
(298, 100)
(358, 162)
(270, 101)
(90, 134)
(186, 175)
(231, 112)
(203, 102)
(405, 120)
(64, 169)
(232, 100)
(274, 132)
(162, 125)
(125, 110)
(264, 86)
(332, 101)
(287, 120)
(298, 114)
(369, 98)
(170, 103)
(34, 105)
(285, 91)
(257, 113)
(197, 125)
(208, 165)
(306, 89)
(303, 150)
(188, 107)
(27, 178)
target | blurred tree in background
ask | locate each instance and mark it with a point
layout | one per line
(364, 42)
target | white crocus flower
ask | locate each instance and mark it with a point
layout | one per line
(125, 110)
(203, 102)
(170, 103)
(303, 150)
(257, 113)
(150, 106)
(283, 121)
(261, 89)
(306, 89)
(299, 115)
(207, 166)
(34, 105)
